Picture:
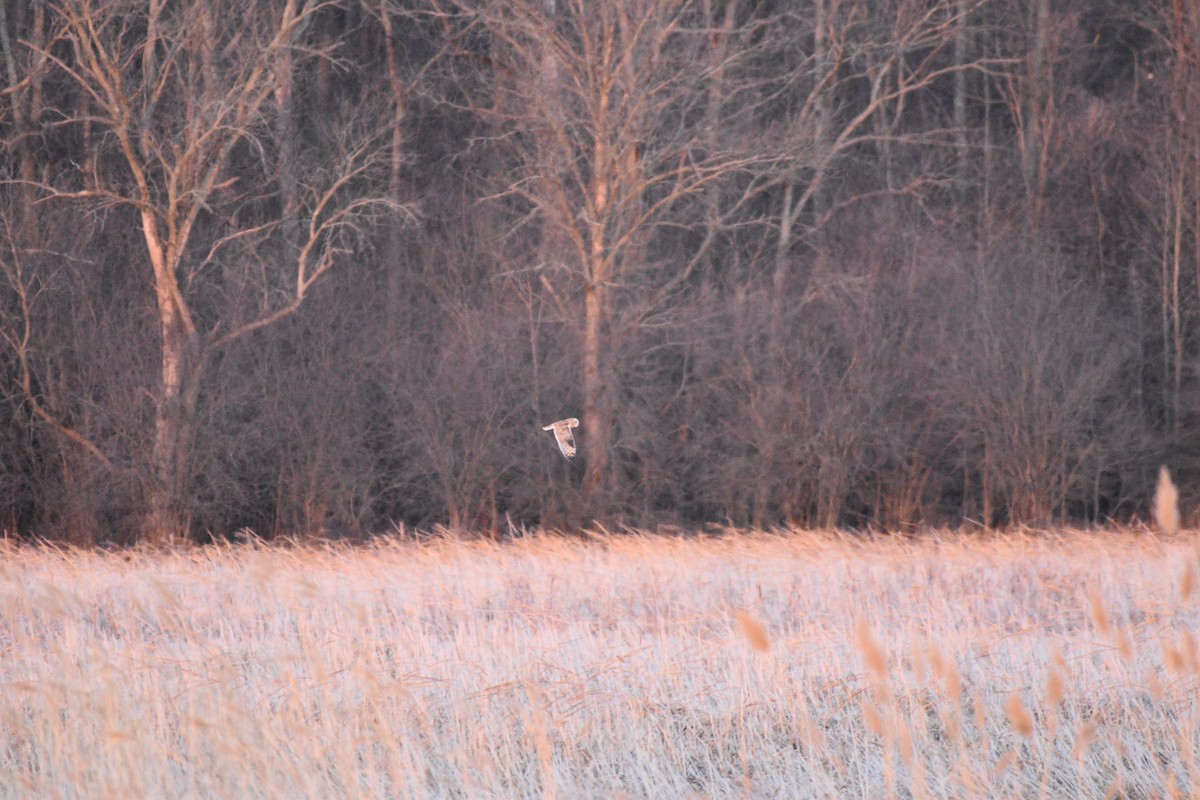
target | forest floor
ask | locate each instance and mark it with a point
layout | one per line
(783, 665)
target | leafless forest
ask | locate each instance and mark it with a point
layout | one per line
(314, 267)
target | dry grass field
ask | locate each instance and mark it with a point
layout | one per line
(784, 665)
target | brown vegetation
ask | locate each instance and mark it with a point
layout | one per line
(1062, 664)
(327, 266)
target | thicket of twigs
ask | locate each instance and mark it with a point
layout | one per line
(320, 267)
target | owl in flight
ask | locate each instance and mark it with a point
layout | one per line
(563, 435)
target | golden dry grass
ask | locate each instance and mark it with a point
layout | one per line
(791, 665)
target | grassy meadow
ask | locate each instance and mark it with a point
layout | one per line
(783, 665)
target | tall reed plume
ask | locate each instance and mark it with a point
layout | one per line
(1166, 503)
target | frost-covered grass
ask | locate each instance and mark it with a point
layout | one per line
(752, 665)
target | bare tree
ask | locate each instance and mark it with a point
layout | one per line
(596, 100)
(1180, 209)
(851, 89)
(181, 95)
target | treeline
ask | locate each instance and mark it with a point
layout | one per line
(318, 267)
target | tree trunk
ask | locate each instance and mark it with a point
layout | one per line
(1035, 110)
(26, 110)
(285, 140)
(393, 244)
(178, 383)
(962, 167)
(173, 422)
(596, 423)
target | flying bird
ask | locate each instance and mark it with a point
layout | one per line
(563, 435)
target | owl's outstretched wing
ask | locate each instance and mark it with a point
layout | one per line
(566, 441)
(563, 435)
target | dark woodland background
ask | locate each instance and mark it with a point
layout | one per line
(317, 268)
